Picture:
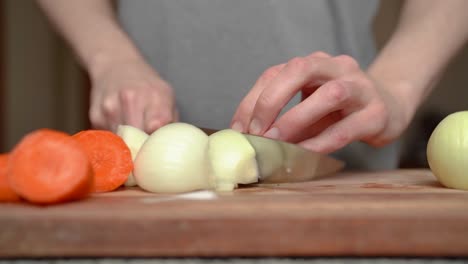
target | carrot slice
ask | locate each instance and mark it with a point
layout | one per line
(6, 192)
(110, 158)
(49, 166)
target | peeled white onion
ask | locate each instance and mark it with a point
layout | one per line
(447, 151)
(134, 138)
(232, 160)
(174, 159)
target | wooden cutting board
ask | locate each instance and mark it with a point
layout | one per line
(392, 213)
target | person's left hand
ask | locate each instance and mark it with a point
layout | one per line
(340, 104)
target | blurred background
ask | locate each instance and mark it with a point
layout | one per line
(41, 84)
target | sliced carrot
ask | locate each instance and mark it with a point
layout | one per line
(110, 158)
(49, 166)
(6, 192)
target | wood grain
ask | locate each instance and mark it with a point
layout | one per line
(393, 213)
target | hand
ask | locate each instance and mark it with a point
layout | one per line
(130, 92)
(340, 104)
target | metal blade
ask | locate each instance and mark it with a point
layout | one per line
(284, 162)
(281, 162)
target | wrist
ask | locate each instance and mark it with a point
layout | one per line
(104, 47)
(102, 60)
(405, 95)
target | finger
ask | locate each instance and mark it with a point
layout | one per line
(95, 113)
(97, 119)
(157, 114)
(319, 54)
(132, 108)
(352, 128)
(311, 88)
(296, 74)
(331, 97)
(347, 61)
(242, 117)
(111, 112)
(318, 127)
(244, 111)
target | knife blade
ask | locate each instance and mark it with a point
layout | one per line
(283, 162)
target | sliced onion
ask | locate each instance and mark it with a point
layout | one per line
(232, 160)
(134, 138)
(174, 159)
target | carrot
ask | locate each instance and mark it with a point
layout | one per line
(6, 193)
(110, 158)
(48, 167)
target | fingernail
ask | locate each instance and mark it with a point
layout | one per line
(255, 127)
(238, 126)
(273, 133)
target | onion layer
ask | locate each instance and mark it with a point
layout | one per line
(173, 159)
(447, 151)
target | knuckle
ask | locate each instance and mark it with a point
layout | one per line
(95, 118)
(380, 110)
(265, 101)
(109, 106)
(297, 64)
(338, 92)
(341, 138)
(320, 54)
(271, 72)
(347, 61)
(376, 139)
(378, 113)
(127, 95)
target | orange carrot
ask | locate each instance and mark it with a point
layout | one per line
(110, 157)
(49, 166)
(6, 193)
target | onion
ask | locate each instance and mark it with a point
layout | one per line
(174, 159)
(232, 160)
(134, 138)
(447, 151)
(180, 157)
(269, 154)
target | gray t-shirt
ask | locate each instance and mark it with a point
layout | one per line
(213, 51)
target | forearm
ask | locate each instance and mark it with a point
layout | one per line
(91, 29)
(428, 36)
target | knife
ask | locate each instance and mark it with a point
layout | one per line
(283, 162)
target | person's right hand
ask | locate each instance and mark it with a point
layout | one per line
(131, 93)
